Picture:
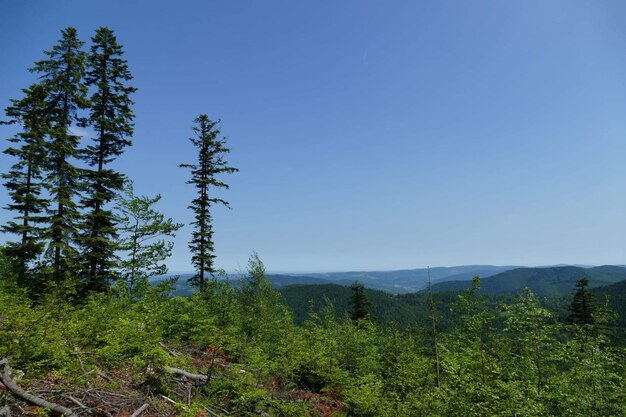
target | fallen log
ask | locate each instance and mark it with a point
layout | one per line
(188, 375)
(7, 381)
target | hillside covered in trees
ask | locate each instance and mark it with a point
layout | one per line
(549, 281)
(83, 332)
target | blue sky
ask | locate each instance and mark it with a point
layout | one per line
(368, 134)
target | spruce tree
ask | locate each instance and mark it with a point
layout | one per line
(583, 304)
(210, 163)
(61, 76)
(111, 118)
(261, 304)
(360, 305)
(24, 180)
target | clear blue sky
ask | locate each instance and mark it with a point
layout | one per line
(370, 134)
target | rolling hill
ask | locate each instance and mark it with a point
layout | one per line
(182, 287)
(616, 294)
(544, 281)
(410, 280)
(302, 299)
(395, 282)
(549, 281)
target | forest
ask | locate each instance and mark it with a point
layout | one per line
(84, 331)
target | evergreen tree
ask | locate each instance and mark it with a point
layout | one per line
(111, 118)
(142, 229)
(61, 76)
(583, 304)
(210, 163)
(23, 181)
(262, 308)
(360, 305)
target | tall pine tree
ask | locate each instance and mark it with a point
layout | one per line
(24, 180)
(111, 118)
(61, 76)
(210, 163)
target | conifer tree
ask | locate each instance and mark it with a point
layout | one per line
(142, 238)
(360, 305)
(210, 163)
(111, 118)
(261, 304)
(24, 180)
(583, 304)
(61, 76)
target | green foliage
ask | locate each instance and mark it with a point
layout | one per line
(62, 77)
(469, 370)
(204, 176)
(111, 117)
(141, 229)
(549, 281)
(120, 332)
(583, 304)
(387, 308)
(262, 306)
(360, 306)
(24, 182)
(529, 351)
(514, 362)
(591, 377)
(32, 336)
(494, 356)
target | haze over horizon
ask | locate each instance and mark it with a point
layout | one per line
(371, 137)
(304, 271)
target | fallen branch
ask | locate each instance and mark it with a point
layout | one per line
(85, 374)
(140, 410)
(170, 351)
(75, 401)
(215, 414)
(170, 400)
(5, 378)
(188, 375)
(211, 412)
(103, 376)
(82, 366)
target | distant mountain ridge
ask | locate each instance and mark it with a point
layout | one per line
(396, 282)
(409, 309)
(410, 280)
(546, 281)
